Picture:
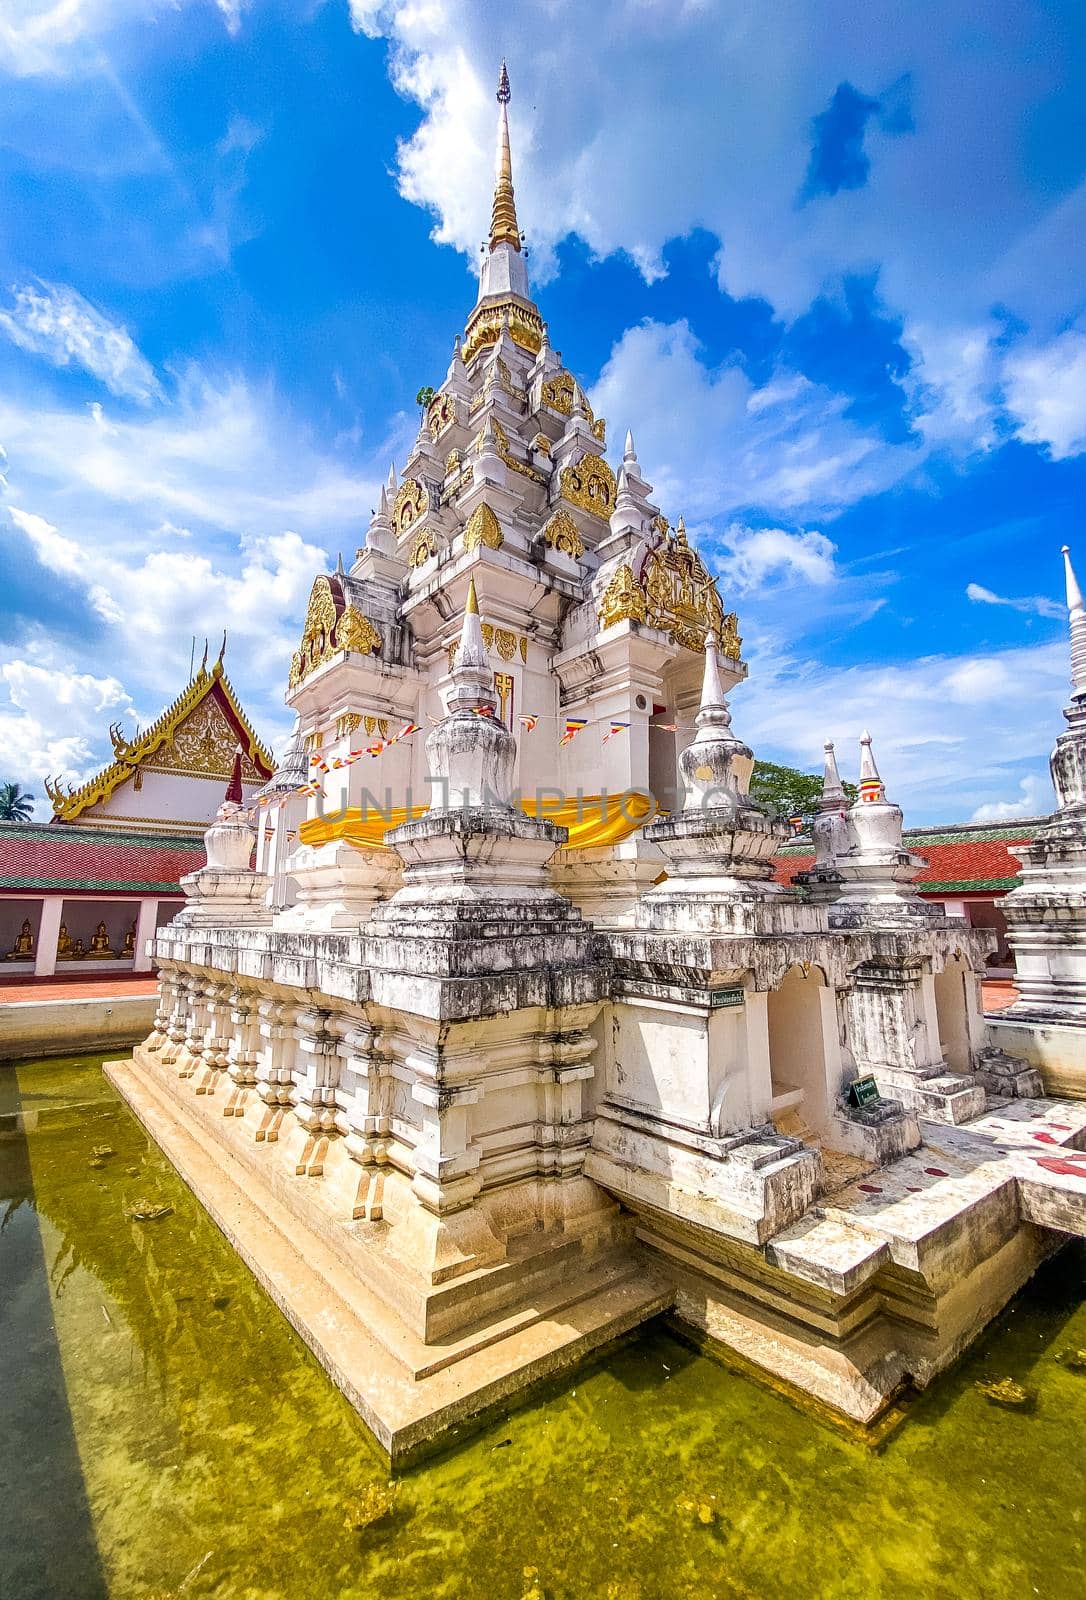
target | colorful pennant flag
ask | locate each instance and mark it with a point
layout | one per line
(616, 727)
(573, 728)
(528, 723)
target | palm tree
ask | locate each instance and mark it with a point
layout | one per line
(15, 804)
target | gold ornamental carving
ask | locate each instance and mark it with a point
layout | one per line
(485, 326)
(504, 640)
(356, 632)
(423, 548)
(683, 600)
(590, 484)
(452, 462)
(542, 444)
(557, 393)
(623, 599)
(347, 723)
(442, 412)
(561, 534)
(203, 746)
(410, 503)
(483, 528)
(324, 635)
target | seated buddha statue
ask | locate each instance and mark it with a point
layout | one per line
(78, 951)
(130, 941)
(99, 945)
(23, 948)
(65, 948)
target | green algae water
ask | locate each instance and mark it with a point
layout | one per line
(164, 1433)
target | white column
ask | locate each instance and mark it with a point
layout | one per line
(45, 961)
(146, 923)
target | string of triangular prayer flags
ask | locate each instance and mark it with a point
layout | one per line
(528, 721)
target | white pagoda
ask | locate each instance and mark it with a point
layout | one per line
(483, 1063)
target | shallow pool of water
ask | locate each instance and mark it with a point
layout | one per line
(163, 1432)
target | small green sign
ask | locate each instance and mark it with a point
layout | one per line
(726, 997)
(862, 1091)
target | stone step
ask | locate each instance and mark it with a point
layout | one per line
(765, 1151)
(951, 1098)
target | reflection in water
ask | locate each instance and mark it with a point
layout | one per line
(218, 1460)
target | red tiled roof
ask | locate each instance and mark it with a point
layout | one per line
(44, 857)
(960, 861)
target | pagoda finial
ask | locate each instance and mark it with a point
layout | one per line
(833, 791)
(712, 690)
(470, 665)
(872, 787)
(392, 479)
(628, 452)
(1076, 616)
(503, 216)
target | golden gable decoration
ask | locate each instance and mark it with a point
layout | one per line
(424, 547)
(442, 412)
(590, 484)
(356, 632)
(561, 534)
(410, 503)
(210, 724)
(485, 326)
(623, 599)
(483, 528)
(330, 627)
(682, 597)
(557, 393)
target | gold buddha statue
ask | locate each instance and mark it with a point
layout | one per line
(99, 945)
(23, 948)
(65, 950)
(130, 941)
(78, 951)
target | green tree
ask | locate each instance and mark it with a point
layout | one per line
(789, 792)
(15, 804)
(424, 397)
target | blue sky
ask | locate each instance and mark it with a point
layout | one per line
(825, 259)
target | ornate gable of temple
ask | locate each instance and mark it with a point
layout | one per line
(195, 737)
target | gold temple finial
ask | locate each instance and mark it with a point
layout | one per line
(503, 216)
(472, 607)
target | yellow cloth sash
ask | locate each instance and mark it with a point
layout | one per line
(593, 820)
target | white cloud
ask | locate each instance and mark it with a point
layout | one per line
(932, 720)
(52, 721)
(1046, 392)
(52, 320)
(1037, 605)
(718, 444)
(751, 556)
(228, 455)
(1036, 800)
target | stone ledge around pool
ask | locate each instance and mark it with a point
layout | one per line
(407, 1392)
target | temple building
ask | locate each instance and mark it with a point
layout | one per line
(86, 892)
(508, 1039)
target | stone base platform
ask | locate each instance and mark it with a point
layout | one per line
(882, 1284)
(407, 1391)
(1056, 1049)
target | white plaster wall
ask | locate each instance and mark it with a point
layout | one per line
(659, 1060)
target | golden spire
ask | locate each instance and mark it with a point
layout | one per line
(472, 607)
(503, 217)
